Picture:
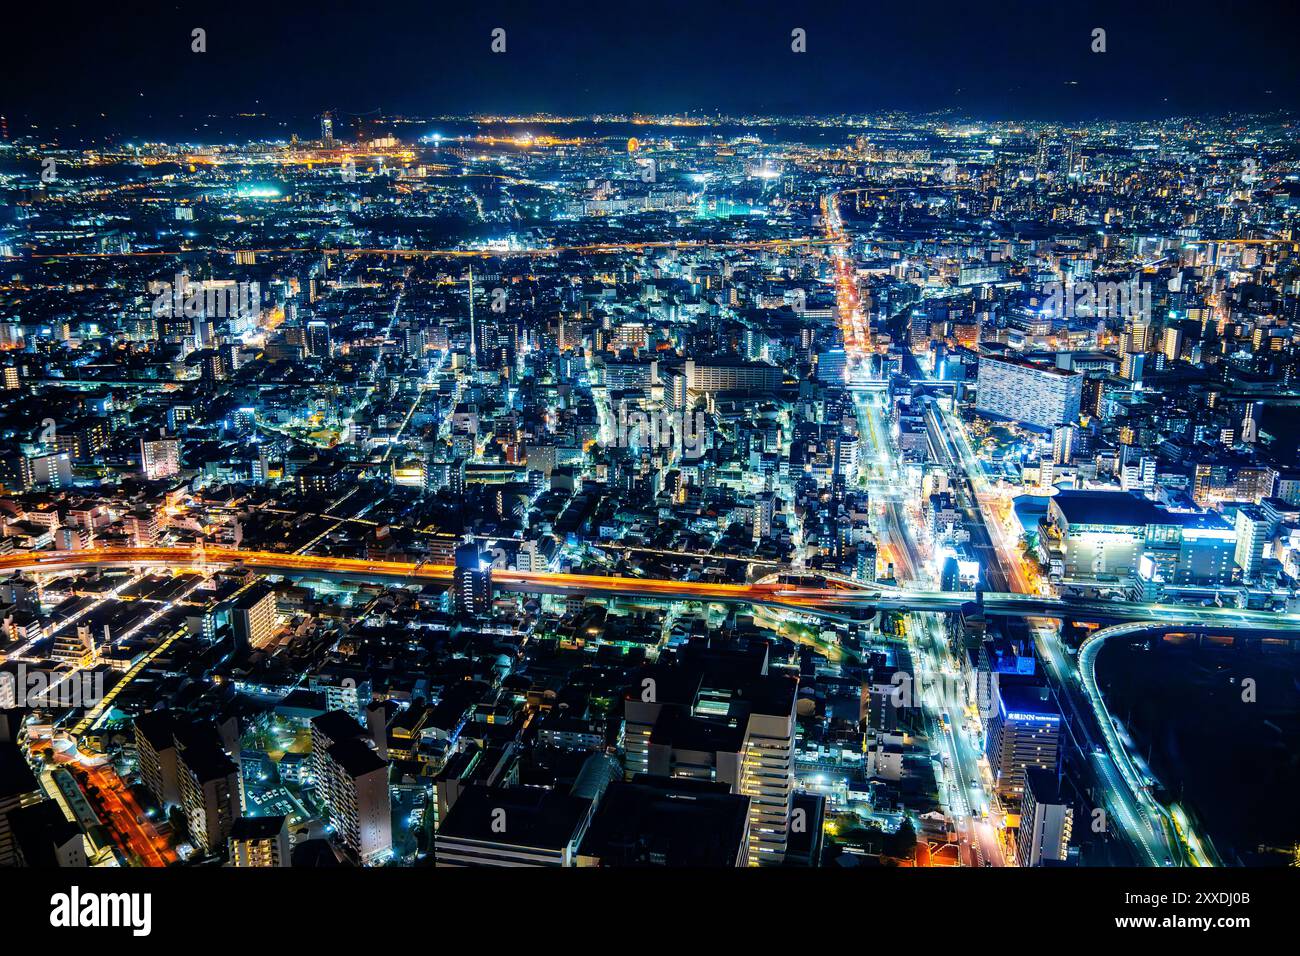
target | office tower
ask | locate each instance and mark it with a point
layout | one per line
(209, 786)
(254, 617)
(513, 826)
(351, 780)
(1038, 395)
(1046, 821)
(831, 366)
(471, 581)
(327, 129)
(160, 457)
(260, 842)
(1254, 529)
(1023, 733)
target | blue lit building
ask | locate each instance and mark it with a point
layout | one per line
(1025, 732)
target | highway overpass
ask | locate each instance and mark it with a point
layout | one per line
(840, 599)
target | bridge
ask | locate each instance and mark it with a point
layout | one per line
(796, 591)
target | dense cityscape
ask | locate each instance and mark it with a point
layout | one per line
(650, 490)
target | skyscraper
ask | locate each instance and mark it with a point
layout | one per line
(471, 581)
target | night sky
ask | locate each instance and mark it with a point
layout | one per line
(68, 62)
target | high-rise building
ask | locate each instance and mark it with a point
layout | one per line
(1023, 733)
(471, 581)
(719, 715)
(155, 743)
(1046, 821)
(1173, 344)
(359, 802)
(351, 779)
(1039, 395)
(254, 617)
(1254, 528)
(160, 457)
(49, 470)
(318, 338)
(209, 787)
(764, 511)
(832, 365)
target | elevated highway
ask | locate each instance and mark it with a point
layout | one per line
(837, 601)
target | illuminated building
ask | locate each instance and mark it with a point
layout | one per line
(260, 842)
(351, 779)
(1254, 529)
(254, 618)
(471, 581)
(1229, 482)
(52, 471)
(155, 743)
(1046, 821)
(722, 375)
(717, 719)
(1104, 535)
(318, 340)
(209, 787)
(1024, 732)
(1037, 395)
(160, 457)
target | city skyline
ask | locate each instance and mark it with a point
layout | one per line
(641, 440)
